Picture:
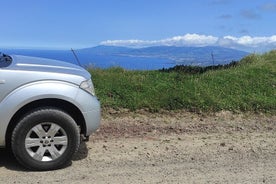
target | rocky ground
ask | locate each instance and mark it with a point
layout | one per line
(167, 147)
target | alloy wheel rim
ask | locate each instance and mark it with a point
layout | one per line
(46, 142)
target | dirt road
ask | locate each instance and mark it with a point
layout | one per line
(167, 148)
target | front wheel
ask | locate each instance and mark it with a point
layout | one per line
(45, 139)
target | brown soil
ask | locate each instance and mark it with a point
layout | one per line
(167, 147)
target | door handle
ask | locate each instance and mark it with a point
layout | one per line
(2, 81)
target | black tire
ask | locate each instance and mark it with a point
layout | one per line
(45, 139)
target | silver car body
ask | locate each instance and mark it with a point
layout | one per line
(28, 79)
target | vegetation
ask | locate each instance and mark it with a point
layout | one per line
(249, 85)
(198, 69)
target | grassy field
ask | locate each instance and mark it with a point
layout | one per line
(248, 86)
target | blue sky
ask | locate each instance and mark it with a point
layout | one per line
(62, 24)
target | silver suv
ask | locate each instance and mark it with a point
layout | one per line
(46, 106)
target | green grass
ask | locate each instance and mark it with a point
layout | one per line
(248, 86)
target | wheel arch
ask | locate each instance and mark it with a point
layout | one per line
(63, 105)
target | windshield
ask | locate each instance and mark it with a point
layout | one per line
(5, 60)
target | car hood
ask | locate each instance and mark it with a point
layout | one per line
(37, 64)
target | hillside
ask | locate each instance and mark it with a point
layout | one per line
(248, 86)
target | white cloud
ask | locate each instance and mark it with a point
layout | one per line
(126, 43)
(186, 40)
(192, 40)
(247, 43)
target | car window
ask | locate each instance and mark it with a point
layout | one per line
(5, 60)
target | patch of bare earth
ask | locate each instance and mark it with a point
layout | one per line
(167, 147)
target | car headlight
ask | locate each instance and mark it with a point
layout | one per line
(88, 86)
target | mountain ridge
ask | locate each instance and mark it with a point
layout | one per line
(205, 56)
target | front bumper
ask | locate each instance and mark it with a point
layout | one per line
(91, 111)
(92, 119)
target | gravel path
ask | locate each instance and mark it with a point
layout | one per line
(166, 148)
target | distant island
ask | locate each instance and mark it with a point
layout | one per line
(148, 58)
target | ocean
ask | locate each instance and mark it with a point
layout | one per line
(98, 61)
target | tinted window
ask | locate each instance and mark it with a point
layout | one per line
(5, 60)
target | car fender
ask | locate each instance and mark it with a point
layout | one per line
(32, 92)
